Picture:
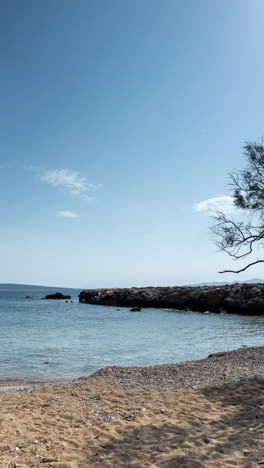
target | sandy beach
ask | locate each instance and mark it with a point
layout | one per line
(207, 413)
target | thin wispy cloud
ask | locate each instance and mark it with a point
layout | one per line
(67, 214)
(211, 206)
(71, 181)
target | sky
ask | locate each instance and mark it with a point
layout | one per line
(119, 123)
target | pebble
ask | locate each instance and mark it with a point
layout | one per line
(206, 440)
(243, 363)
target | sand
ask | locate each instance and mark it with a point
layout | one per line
(106, 421)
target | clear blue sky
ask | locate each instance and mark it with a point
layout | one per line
(117, 117)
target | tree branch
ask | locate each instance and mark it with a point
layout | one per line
(242, 269)
(239, 236)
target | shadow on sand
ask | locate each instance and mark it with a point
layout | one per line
(232, 435)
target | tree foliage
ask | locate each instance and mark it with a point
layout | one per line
(240, 235)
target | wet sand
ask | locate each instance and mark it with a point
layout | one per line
(160, 416)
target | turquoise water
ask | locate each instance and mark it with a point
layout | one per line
(76, 339)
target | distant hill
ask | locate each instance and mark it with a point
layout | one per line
(251, 281)
(24, 287)
(27, 287)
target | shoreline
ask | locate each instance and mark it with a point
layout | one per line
(157, 417)
(247, 299)
(217, 368)
(21, 384)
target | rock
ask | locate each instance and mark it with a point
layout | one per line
(135, 309)
(235, 299)
(57, 295)
(108, 446)
(48, 460)
(206, 440)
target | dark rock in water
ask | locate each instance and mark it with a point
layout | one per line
(247, 299)
(135, 309)
(216, 355)
(46, 362)
(57, 295)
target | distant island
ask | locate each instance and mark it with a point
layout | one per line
(250, 281)
(26, 287)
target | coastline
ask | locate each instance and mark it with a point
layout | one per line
(239, 298)
(216, 369)
(193, 414)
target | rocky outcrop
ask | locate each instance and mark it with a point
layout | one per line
(236, 298)
(57, 295)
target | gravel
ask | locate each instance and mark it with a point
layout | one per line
(243, 365)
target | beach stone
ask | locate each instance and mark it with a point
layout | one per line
(206, 440)
(108, 446)
(49, 460)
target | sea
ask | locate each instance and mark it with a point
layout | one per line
(54, 340)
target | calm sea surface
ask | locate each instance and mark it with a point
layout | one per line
(76, 339)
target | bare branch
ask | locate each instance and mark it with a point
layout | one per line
(242, 269)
